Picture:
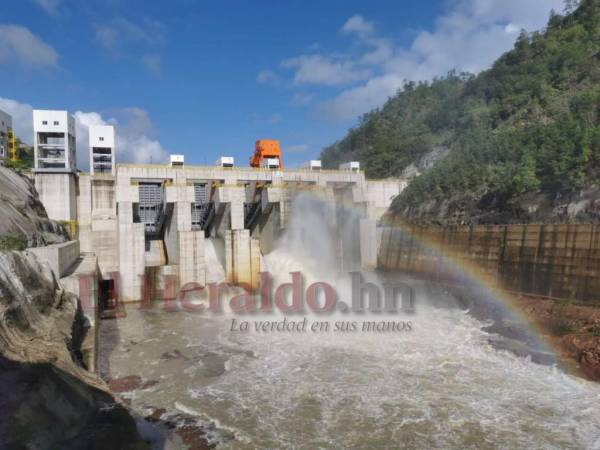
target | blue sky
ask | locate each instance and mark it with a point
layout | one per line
(209, 78)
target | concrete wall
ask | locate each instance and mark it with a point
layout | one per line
(105, 245)
(234, 176)
(83, 282)
(155, 255)
(84, 212)
(192, 266)
(380, 194)
(268, 229)
(103, 197)
(98, 221)
(171, 238)
(58, 194)
(60, 257)
(368, 243)
(561, 261)
(234, 197)
(132, 248)
(242, 258)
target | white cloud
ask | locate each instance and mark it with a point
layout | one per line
(50, 6)
(302, 99)
(318, 69)
(18, 44)
(528, 14)
(357, 24)
(118, 32)
(381, 51)
(266, 118)
(468, 38)
(135, 133)
(22, 118)
(121, 37)
(134, 130)
(267, 77)
(152, 62)
(353, 102)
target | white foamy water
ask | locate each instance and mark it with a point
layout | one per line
(441, 385)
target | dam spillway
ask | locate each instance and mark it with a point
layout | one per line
(444, 384)
(159, 216)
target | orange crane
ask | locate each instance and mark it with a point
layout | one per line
(266, 155)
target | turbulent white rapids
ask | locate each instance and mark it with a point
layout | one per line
(441, 385)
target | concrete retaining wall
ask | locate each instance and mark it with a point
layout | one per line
(83, 282)
(60, 257)
(561, 261)
(380, 194)
(58, 193)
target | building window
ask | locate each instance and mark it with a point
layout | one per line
(56, 122)
(44, 122)
(101, 138)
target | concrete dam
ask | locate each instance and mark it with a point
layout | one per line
(158, 217)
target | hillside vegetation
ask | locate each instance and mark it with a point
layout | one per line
(522, 138)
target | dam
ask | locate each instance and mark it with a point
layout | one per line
(137, 219)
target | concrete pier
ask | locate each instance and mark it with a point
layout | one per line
(132, 252)
(192, 267)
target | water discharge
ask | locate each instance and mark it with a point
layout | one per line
(441, 385)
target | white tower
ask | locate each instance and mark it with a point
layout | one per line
(54, 141)
(102, 150)
(55, 164)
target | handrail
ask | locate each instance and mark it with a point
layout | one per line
(240, 168)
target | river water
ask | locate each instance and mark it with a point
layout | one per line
(443, 384)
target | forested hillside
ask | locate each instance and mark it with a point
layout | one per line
(522, 138)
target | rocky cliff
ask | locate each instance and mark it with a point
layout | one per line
(47, 399)
(22, 215)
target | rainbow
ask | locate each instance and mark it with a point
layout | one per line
(474, 277)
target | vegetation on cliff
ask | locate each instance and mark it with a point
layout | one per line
(24, 159)
(522, 137)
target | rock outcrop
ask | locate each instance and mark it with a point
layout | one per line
(47, 400)
(22, 214)
(582, 206)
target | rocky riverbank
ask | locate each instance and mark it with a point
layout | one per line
(573, 329)
(570, 330)
(47, 399)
